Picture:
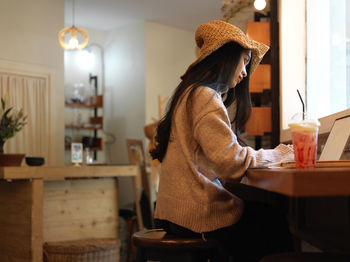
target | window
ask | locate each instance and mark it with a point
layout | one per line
(327, 56)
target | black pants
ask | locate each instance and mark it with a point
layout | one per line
(262, 230)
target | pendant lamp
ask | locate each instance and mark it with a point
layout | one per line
(73, 42)
(259, 4)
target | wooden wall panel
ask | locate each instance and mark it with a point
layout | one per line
(37, 219)
(20, 207)
(261, 79)
(80, 208)
(259, 121)
(259, 31)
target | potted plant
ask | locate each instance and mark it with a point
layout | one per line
(11, 122)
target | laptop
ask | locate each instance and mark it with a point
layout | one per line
(337, 140)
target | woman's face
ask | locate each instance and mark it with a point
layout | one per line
(241, 67)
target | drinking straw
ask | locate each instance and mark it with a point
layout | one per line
(302, 102)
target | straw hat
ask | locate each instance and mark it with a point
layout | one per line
(213, 35)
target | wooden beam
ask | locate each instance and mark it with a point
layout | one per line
(275, 73)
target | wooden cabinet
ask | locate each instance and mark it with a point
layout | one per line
(261, 79)
(260, 121)
(263, 90)
(259, 31)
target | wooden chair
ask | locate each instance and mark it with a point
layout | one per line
(137, 157)
(139, 214)
(306, 257)
(157, 245)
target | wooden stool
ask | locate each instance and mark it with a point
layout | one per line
(130, 217)
(306, 257)
(156, 244)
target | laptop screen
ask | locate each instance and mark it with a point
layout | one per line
(337, 139)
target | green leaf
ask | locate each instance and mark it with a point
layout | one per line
(3, 103)
(10, 123)
(7, 112)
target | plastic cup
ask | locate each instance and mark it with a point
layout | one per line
(304, 136)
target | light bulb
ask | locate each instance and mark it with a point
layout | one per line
(259, 4)
(73, 43)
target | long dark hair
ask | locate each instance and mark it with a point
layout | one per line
(216, 71)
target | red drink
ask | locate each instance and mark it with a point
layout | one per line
(305, 145)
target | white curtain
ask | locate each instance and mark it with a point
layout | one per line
(31, 94)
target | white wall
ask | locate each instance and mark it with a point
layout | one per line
(28, 32)
(142, 61)
(169, 51)
(125, 87)
(124, 95)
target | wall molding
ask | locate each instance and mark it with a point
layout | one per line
(49, 75)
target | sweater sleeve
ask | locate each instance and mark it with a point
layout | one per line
(212, 130)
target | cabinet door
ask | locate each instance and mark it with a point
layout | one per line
(261, 79)
(259, 121)
(259, 31)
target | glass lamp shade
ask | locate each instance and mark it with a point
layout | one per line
(260, 4)
(73, 42)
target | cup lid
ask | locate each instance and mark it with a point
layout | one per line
(303, 119)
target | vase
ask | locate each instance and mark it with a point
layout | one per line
(9, 159)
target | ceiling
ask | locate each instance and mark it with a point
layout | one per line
(106, 15)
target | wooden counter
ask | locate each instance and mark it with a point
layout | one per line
(62, 172)
(320, 182)
(45, 204)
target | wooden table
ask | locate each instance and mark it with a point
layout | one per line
(302, 183)
(319, 193)
(45, 204)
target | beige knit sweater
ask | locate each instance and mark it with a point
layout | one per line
(203, 148)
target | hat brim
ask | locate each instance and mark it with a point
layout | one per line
(258, 52)
(213, 35)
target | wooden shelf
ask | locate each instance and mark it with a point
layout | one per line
(83, 127)
(93, 121)
(79, 105)
(90, 148)
(98, 148)
(97, 121)
(99, 103)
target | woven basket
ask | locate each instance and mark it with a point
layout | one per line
(86, 250)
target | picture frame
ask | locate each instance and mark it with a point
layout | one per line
(77, 153)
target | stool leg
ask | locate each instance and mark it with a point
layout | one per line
(130, 246)
(220, 256)
(140, 255)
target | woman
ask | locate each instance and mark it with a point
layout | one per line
(198, 149)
